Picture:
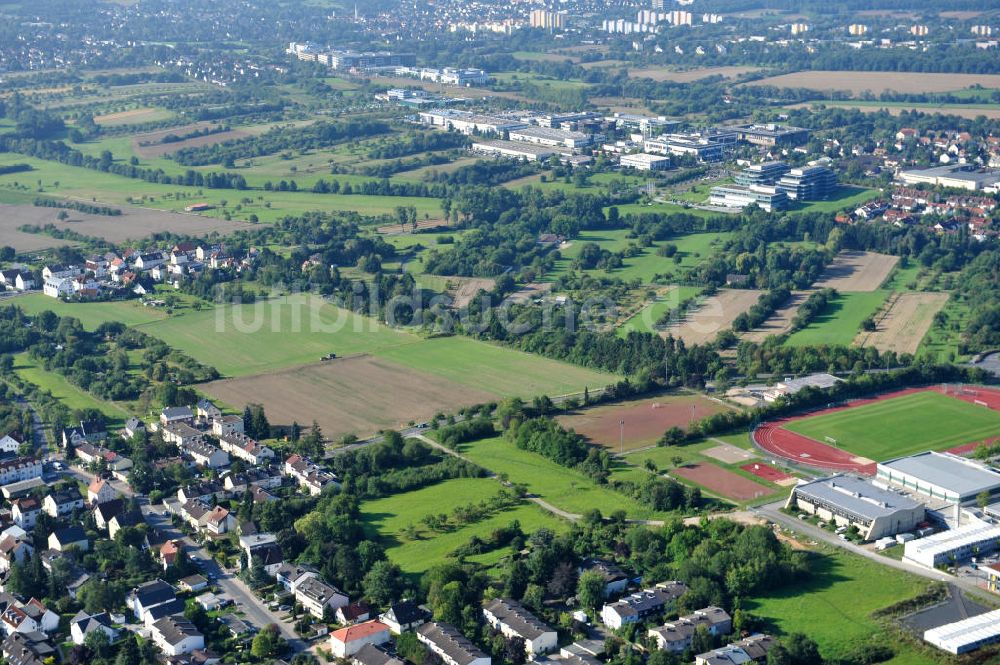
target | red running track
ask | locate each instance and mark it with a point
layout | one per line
(775, 439)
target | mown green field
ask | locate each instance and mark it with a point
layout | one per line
(496, 369)
(845, 198)
(833, 605)
(389, 517)
(841, 321)
(273, 334)
(71, 396)
(561, 487)
(903, 425)
(92, 314)
(692, 250)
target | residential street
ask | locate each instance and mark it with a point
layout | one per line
(253, 608)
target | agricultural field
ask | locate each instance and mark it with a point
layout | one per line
(780, 321)
(689, 75)
(645, 420)
(90, 314)
(878, 82)
(647, 264)
(919, 421)
(903, 322)
(713, 314)
(388, 518)
(356, 395)
(970, 111)
(844, 197)
(134, 223)
(857, 271)
(645, 319)
(833, 605)
(566, 489)
(133, 117)
(841, 320)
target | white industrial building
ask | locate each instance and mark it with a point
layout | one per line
(515, 150)
(552, 138)
(467, 122)
(941, 476)
(959, 176)
(645, 162)
(851, 501)
(974, 539)
(966, 635)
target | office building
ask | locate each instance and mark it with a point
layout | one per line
(809, 183)
(766, 173)
(645, 162)
(770, 134)
(768, 198)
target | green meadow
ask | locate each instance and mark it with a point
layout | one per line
(841, 321)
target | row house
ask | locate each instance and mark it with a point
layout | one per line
(451, 646)
(676, 636)
(15, 279)
(182, 434)
(18, 469)
(513, 620)
(226, 425)
(176, 414)
(206, 491)
(243, 447)
(205, 411)
(638, 606)
(29, 617)
(308, 474)
(265, 477)
(119, 465)
(206, 455)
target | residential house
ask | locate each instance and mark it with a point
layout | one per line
(58, 287)
(513, 620)
(638, 606)
(18, 469)
(133, 427)
(169, 552)
(316, 596)
(85, 431)
(28, 649)
(28, 617)
(206, 491)
(176, 635)
(403, 616)
(373, 655)
(148, 595)
(353, 613)
(243, 447)
(56, 271)
(148, 261)
(451, 646)
(83, 624)
(218, 521)
(309, 475)
(62, 503)
(206, 455)
(8, 444)
(237, 483)
(224, 425)
(124, 519)
(206, 412)
(193, 583)
(105, 512)
(263, 549)
(182, 434)
(291, 575)
(346, 642)
(15, 279)
(615, 580)
(14, 549)
(90, 454)
(176, 414)
(25, 511)
(676, 636)
(753, 649)
(61, 540)
(100, 491)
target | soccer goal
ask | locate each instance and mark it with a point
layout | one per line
(829, 439)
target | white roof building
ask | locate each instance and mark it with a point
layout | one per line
(966, 635)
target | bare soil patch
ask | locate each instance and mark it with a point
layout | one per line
(397, 230)
(903, 322)
(464, 289)
(645, 420)
(857, 271)
(161, 149)
(714, 315)
(530, 292)
(360, 395)
(133, 224)
(876, 82)
(781, 321)
(722, 482)
(687, 76)
(727, 453)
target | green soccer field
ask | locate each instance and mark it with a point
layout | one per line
(902, 425)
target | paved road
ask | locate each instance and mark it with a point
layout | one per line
(258, 613)
(87, 477)
(771, 511)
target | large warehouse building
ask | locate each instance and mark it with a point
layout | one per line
(941, 476)
(955, 545)
(851, 501)
(966, 635)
